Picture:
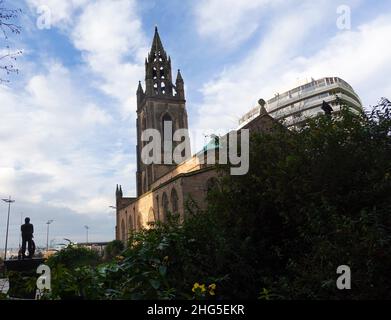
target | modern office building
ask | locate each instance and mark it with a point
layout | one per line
(293, 107)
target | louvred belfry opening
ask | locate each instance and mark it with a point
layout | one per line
(158, 76)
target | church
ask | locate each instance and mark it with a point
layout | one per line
(164, 188)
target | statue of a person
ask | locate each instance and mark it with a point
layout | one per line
(27, 237)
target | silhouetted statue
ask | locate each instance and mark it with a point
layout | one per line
(27, 236)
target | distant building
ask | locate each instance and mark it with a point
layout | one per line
(295, 106)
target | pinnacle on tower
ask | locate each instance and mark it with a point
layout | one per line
(179, 76)
(180, 86)
(140, 88)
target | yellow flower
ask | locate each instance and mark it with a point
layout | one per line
(200, 287)
(212, 288)
(120, 258)
(195, 287)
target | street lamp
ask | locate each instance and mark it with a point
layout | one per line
(21, 222)
(87, 227)
(47, 234)
(9, 201)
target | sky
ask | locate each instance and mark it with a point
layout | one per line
(67, 124)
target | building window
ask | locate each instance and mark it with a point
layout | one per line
(166, 124)
(130, 221)
(123, 235)
(165, 206)
(134, 218)
(157, 207)
(151, 216)
(174, 201)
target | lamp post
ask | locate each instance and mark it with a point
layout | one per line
(47, 234)
(9, 201)
(21, 222)
(87, 227)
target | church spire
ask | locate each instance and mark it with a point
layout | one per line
(158, 78)
(157, 43)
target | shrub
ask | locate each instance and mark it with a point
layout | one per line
(113, 249)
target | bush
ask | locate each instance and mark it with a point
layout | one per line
(113, 249)
(73, 256)
(313, 200)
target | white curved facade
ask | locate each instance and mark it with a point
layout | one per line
(295, 106)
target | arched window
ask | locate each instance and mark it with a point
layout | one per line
(130, 223)
(162, 75)
(157, 207)
(123, 235)
(165, 205)
(166, 123)
(134, 218)
(151, 216)
(174, 201)
(168, 129)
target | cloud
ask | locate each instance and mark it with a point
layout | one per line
(67, 142)
(285, 55)
(62, 13)
(230, 22)
(54, 137)
(109, 35)
(360, 56)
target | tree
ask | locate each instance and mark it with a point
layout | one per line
(113, 249)
(313, 200)
(7, 26)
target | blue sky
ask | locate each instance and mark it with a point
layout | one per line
(67, 131)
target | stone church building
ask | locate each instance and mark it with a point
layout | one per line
(163, 188)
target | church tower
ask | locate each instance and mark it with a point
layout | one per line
(161, 103)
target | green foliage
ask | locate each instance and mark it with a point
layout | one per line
(23, 284)
(113, 249)
(73, 256)
(313, 200)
